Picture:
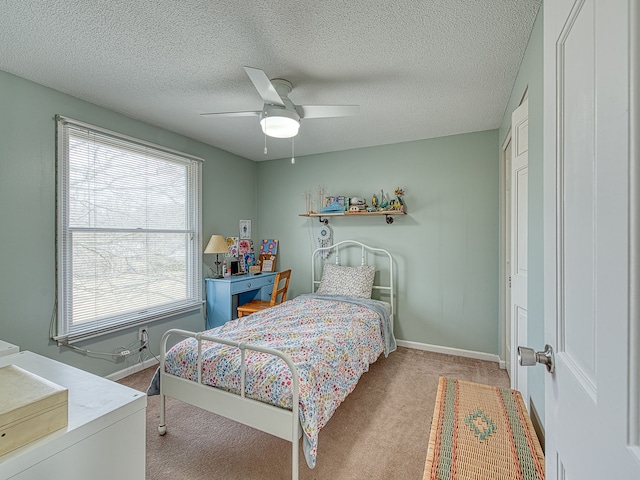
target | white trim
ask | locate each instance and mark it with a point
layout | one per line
(490, 357)
(502, 280)
(633, 434)
(138, 367)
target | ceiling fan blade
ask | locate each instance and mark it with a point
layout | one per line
(232, 114)
(264, 86)
(325, 111)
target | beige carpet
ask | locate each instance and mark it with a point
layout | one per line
(381, 431)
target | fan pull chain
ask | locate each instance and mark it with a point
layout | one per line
(293, 158)
(265, 140)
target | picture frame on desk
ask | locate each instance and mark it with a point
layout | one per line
(268, 262)
(249, 261)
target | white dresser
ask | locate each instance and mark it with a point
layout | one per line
(7, 348)
(105, 437)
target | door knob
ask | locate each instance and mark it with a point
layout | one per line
(529, 357)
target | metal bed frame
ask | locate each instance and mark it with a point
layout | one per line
(277, 421)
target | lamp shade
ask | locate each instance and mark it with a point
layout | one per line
(217, 244)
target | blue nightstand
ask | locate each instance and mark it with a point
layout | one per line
(225, 294)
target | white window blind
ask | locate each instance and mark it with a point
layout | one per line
(128, 231)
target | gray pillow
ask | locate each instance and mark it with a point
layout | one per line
(348, 281)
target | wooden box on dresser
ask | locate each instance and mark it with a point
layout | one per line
(105, 436)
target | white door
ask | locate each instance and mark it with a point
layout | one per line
(519, 249)
(591, 231)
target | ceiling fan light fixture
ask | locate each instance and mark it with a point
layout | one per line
(279, 123)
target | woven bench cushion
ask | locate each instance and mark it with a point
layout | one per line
(481, 432)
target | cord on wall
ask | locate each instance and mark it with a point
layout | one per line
(131, 349)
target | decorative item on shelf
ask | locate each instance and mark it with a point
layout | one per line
(254, 269)
(398, 203)
(308, 203)
(374, 204)
(320, 191)
(333, 204)
(384, 202)
(217, 244)
(357, 205)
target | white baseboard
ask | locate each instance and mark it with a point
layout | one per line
(491, 357)
(132, 369)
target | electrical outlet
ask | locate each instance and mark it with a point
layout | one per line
(143, 334)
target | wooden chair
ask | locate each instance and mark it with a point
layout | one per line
(257, 305)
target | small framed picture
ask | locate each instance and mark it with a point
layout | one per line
(249, 260)
(232, 245)
(245, 228)
(268, 262)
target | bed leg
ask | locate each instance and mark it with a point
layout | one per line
(162, 428)
(295, 445)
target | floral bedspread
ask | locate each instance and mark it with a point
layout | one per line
(330, 342)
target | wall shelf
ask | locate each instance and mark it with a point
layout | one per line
(323, 217)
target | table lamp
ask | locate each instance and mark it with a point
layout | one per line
(217, 245)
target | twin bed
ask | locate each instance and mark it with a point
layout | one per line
(286, 369)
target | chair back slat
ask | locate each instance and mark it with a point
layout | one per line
(278, 290)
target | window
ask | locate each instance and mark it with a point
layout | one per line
(128, 231)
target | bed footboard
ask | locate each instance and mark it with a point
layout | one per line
(277, 421)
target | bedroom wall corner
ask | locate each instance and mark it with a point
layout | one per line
(445, 249)
(27, 215)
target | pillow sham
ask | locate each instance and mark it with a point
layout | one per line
(348, 281)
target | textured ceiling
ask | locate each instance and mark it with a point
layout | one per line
(418, 68)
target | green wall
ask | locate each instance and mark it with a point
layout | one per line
(446, 248)
(530, 75)
(27, 215)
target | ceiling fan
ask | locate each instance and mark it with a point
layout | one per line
(279, 116)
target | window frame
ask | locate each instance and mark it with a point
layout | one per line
(66, 332)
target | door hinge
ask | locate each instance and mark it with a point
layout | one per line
(509, 281)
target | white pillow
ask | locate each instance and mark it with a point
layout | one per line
(348, 281)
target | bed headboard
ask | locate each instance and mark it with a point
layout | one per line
(352, 252)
